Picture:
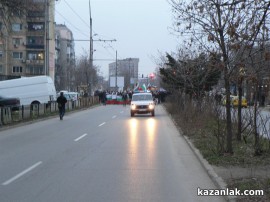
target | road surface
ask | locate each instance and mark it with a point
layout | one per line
(99, 155)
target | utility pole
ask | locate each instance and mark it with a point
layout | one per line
(46, 64)
(116, 72)
(89, 84)
(91, 38)
(92, 46)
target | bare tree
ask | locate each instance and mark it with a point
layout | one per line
(85, 75)
(221, 26)
(11, 9)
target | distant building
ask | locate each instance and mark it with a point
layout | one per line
(27, 45)
(64, 59)
(127, 68)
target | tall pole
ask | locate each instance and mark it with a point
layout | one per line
(91, 37)
(116, 72)
(91, 46)
(46, 64)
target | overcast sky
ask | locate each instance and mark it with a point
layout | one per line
(140, 27)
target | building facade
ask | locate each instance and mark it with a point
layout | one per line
(127, 68)
(64, 59)
(27, 44)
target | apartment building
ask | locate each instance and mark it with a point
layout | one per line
(127, 68)
(27, 41)
(64, 58)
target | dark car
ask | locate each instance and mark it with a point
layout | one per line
(12, 102)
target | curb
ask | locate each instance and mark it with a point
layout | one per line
(218, 181)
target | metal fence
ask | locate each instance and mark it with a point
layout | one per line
(32, 112)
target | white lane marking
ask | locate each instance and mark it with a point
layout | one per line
(101, 124)
(114, 117)
(77, 139)
(122, 112)
(22, 173)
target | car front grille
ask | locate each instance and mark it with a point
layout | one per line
(141, 107)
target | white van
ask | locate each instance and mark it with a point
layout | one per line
(30, 90)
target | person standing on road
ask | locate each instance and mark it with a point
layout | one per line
(124, 96)
(61, 100)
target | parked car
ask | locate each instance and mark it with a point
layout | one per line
(234, 101)
(14, 103)
(66, 95)
(74, 96)
(142, 103)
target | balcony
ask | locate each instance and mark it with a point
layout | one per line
(35, 46)
(35, 62)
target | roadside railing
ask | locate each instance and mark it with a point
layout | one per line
(32, 112)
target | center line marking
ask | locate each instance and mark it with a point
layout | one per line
(80, 137)
(22, 173)
(101, 124)
(114, 117)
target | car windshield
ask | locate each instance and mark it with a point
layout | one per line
(141, 97)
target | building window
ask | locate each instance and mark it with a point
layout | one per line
(16, 41)
(35, 70)
(35, 14)
(38, 1)
(18, 13)
(16, 27)
(1, 25)
(35, 40)
(35, 26)
(17, 55)
(17, 69)
(35, 56)
(1, 69)
(1, 54)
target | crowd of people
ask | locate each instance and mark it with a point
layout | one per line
(125, 96)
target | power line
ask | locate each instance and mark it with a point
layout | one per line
(77, 14)
(71, 24)
(98, 40)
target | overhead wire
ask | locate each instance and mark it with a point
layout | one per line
(77, 14)
(106, 48)
(71, 24)
(87, 24)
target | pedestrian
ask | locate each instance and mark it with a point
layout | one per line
(124, 96)
(104, 97)
(61, 100)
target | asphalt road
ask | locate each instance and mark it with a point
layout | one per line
(99, 155)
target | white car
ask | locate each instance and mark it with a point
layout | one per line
(142, 103)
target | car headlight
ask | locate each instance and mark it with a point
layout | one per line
(151, 106)
(133, 107)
